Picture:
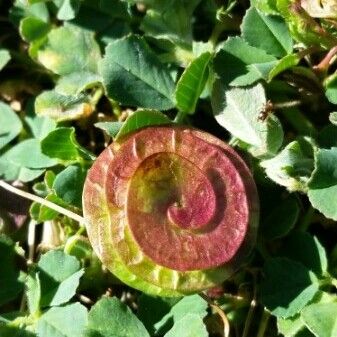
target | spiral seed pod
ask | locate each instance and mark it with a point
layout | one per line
(171, 210)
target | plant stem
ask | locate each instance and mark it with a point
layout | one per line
(31, 241)
(325, 63)
(43, 202)
(249, 318)
(220, 312)
(287, 105)
(251, 308)
(263, 323)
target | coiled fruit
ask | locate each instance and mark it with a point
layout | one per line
(170, 210)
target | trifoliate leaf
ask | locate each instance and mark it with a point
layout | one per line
(70, 49)
(133, 75)
(266, 32)
(238, 110)
(10, 124)
(292, 167)
(109, 318)
(287, 287)
(62, 107)
(323, 183)
(59, 276)
(239, 64)
(65, 321)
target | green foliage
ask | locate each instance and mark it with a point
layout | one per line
(4, 57)
(140, 119)
(10, 125)
(238, 110)
(10, 283)
(133, 75)
(123, 322)
(79, 74)
(192, 83)
(288, 286)
(266, 32)
(66, 321)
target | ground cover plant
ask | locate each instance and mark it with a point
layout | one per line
(116, 115)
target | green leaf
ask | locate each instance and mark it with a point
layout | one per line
(61, 144)
(4, 58)
(293, 166)
(28, 154)
(77, 82)
(244, 64)
(320, 319)
(40, 125)
(32, 28)
(192, 83)
(70, 49)
(170, 20)
(269, 33)
(151, 309)
(62, 107)
(333, 118)
(66, 321)
(327, 137)
(265, 6)
(330, 85)
(41, 213)
(59, 276)
(10, 124)
(111, 128)
(283, 64)
(33, 291)
(11, 171)
(11, 331)
(323, 183)
(193, 304)
(133, 75)
(22, 9)
(68, 185)
(290, 327)
(287, 287)
(312, 254)
(68, 9)
(190, 325)
(10, 283)
(140, 119)
(281, 218)
(109, 318)
(238, 110)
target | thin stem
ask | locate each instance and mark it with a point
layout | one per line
(43, 202)
(263, 323)
(286, 105)
(31, 241)
(251, 310)
(325, 63)
(97, 96)
(220, 312)
(249, 318)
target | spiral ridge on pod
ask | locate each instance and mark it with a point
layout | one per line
(171, 210)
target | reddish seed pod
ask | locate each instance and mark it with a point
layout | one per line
(171, 210)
